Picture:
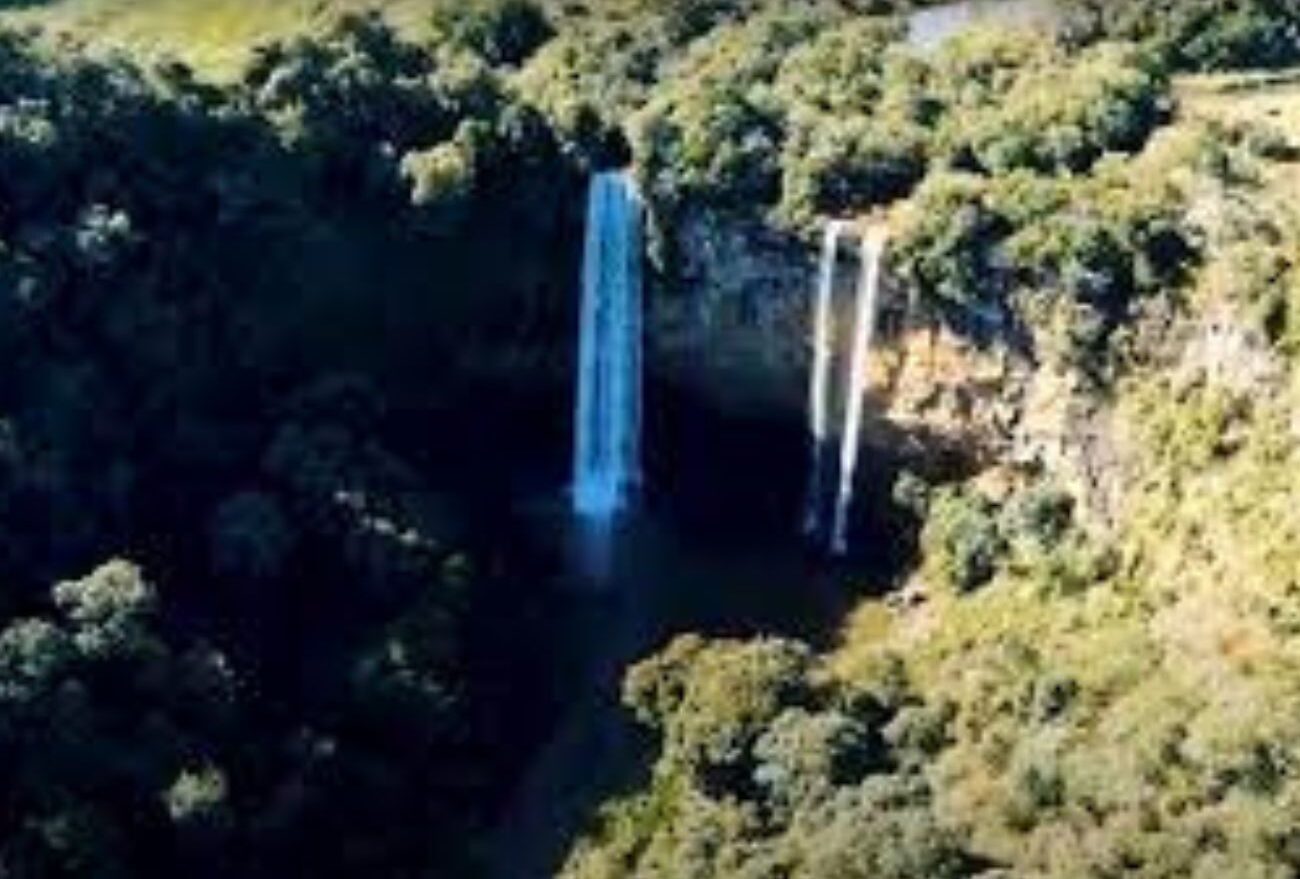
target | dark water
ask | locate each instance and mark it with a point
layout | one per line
(930, 28)
(633, 587)
(714, 548)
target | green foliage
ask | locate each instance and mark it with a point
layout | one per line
(963, 537)
(713, 132)
(1043, 515)
(803, 757)
(712, 703)
(186, 270)
(947, 244)
(500, 31)
(967, 541)
(1055, 116)
(1072, 260)
(809, 788)
(1195, 34)
(439, 176)
(832, 168)
(131, 755)
(197, 795)
(100, 718)
(109, 609)
(685, 20)
(196, 345)
(819, 112)
(1197, 432)
(888, 831)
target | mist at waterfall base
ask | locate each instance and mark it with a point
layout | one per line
(698, 533)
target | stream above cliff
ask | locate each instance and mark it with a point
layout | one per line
(929, 28)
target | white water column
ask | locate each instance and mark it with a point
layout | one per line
(607, 417)
(831, 484)
(819, 393)
(864, 334)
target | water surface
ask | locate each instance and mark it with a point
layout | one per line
(930, 28)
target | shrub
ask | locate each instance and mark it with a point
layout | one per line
(712, 703)
(845, 167)
(1195, 34)
(1043, 515)
(1063, 116)
(946, 245)
(963, 537)
(500, 31)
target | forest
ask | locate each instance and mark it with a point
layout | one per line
(288, 305)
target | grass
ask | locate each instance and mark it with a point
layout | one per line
(1270, 99)
(215, 37)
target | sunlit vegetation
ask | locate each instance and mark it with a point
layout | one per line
(1195, 34)
(252, 288)
(812, 117)
(1070, 700)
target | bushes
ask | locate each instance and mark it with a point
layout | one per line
(197, 338)
(1195, 34)
(963, 537)
(102, 719)
(840, 72)
(833, 168)
(713, 702)
(946, 245)
(811, 787)
(1062, 116)
(716, 146)
(817, 113)
(968, 540)
(713, 132)
(1069, 259)
(502, 32)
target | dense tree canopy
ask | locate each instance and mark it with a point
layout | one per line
(272, 339)
(196, 343)
(1196, 34)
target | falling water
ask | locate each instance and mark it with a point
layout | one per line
(607, 446)
(873, 251)
(820, 391)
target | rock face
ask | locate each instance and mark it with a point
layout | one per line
(733, 324)
(1002, 413)
(734, 330)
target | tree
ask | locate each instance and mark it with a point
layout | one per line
(500, 31)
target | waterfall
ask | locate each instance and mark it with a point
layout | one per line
(607, 419)
(873, 251)
(820, 391)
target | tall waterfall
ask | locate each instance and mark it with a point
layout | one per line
(873, 251)
(819, 394)
(830, 489)
(607, 420)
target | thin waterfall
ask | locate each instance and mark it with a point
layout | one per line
(820, 391)
(607, 418)
(873, 252)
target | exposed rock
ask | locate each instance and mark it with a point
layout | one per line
(733, 324)
(1004, 412)
(735, 329)
(1224, 351)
